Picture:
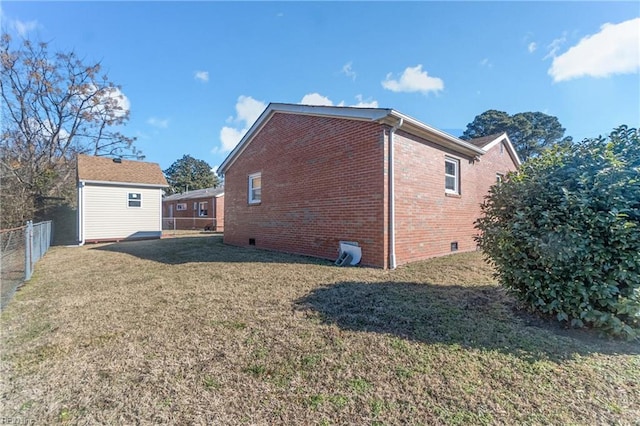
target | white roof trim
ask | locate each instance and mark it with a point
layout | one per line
(380, 115)
(191, 196)
(367, 114)
(512, 151)
(419, 128)
(106, 182)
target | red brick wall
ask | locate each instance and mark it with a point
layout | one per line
(325, 180)
(218, 212)
(322, 182)
(427, 219)
(189, 218)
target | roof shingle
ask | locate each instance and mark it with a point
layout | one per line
(484, 140)
(104, 169)
(196, 193)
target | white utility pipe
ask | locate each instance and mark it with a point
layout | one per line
(81, 212)
(392, 200)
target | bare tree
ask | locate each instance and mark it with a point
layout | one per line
(53, 107)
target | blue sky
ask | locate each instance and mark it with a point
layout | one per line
(197, 74)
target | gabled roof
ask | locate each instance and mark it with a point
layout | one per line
(380, 115)
(484, 140)
(198, 193)
(488, 142)
(116, 171)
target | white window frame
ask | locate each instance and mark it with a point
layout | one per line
(253, 199)
(202, 204)
(455, 175)
(499, 177)
(181, 207)
(134, 200)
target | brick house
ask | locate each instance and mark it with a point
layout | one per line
(304, 178)
(198, 209)
(118, 199)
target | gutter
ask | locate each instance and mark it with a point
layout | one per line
(131, 184)
(417, 128)
(392, 199)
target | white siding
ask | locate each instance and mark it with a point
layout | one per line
(108, 216)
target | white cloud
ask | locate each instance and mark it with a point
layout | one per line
(110, 102)
(316, 99)
(47, 128)
(347, 69)
(531, 47)
(615, 49)
(555, 45)
(229, 138)
(202, 76)
(247, 112)
(121, 101)
(485, 63)
(158, 122)
(413, 79)
(24, 27)
(320, 100)
(369, 103)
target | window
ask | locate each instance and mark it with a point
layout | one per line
(255, 188)
(181, 206)
(135, 199)
(202, 209)
(451, 175)
(499, 178)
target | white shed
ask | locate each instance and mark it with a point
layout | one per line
(119, 199)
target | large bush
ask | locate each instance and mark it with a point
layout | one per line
(564, 233)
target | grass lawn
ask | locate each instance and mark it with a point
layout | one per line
(189, 331)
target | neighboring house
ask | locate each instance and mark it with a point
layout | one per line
(119, 199)
(198, 209)
(304, 178)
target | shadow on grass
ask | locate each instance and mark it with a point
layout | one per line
(470, 316)
(205, 248)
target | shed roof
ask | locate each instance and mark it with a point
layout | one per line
(198, 193)
(117, 171)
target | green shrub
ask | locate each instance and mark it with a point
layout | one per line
(563, 233)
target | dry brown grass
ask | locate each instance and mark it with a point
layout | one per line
(189, 331)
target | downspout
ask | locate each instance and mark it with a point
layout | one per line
(161, 208)
(392, 200)
(81, 213)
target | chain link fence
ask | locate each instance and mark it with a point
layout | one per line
(20, 249)
(191, 223)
